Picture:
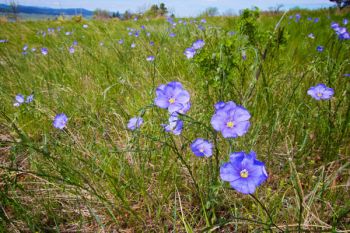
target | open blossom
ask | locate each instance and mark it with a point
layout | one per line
(60, 121)
(244, 172)
(201, 147)
(319, 48)
(320, 92)
(231, 120)
(175, 125)
(198, 44)
(172, 96)
(19, 99)
(135, 123)
(150, 58)
(71, 49)
(44, 51)
(190, 52)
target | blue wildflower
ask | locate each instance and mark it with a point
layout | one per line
(121, 41)
(198, 44)
(320, 48)
(244, 172)
(19, 99)
(85, 26)
(320, 92)
(190, 52)
(172, 96)
(71, 50)
(135, 123)
(44, 51)
(150, 58)
(231, 120)
(201, 147)
(175, 125)
(60, 121)
(29, 98)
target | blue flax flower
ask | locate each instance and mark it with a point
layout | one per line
(172, 96)
(135, 123)
(60, 121)
(150, 58)
(190, 52)
(201, 147)
(175, 125)
(244, 172)
(231, 120)
(319, 48)
(19, 99)
(320, 92)
(44, 51)
(198, 44)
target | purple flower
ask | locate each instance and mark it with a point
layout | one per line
(143, 27)
(346, 75)
(172, 96)
(244, 172)
(85, 26)
(190, 52)
(172, 34)
(71, 50)
(320, 92)
(19, 99)
(68, 33)
(151, 43)
(345, 21)
(244, 55)
(175, 125)
(44, 51)
(297, 17)
(29, 98)
(334, 25)
(121, 41)
(133, 45)
(201, 147)
(316, 20)
(203, 20)
(201, 27)
(311, 36)
(75, 43)
(309, 18)
(231, 120)
(130, 33)
(319, 48)
(148, 34)
(150, 58)
(60, 121)
(4, 41)
(231, 33)
(25, 47)
(33, 49)
(135, 123)
(198, 44)
(137, 33)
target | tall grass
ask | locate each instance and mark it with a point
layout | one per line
(97, 176)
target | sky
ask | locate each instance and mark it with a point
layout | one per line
(181, 8)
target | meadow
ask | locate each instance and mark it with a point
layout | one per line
(71, 160)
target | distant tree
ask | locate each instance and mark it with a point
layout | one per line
(14, 9)
(209, 12)
(341, 3)
(127, 15)
(162, 9)
(101, 14)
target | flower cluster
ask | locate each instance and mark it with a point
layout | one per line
(342, 32)
(191, 51)
(20, 99)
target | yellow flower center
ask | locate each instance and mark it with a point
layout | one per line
(201, 150)
(244, 173)
(319, 94)
(230, 124)
(172, 100)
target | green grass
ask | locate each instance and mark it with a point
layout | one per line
(96, 176)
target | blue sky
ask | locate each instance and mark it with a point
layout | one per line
(180, 8)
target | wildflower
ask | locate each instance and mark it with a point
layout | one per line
(320, 92)
(190, 52)
(311, 36)
(133, 45)
(19, 99)
(4, 41)
(143, 27)
(175, 125)
(150, 58)
(309, 18)
(75, 43)
(345, 21)
(244, 172)
(231, 120)
(130, 33)
(244, 55)
(148, 34)
(320, 48)
(71, 50)
(201, 27)
(29, 98)
(201, 147)
(85, 26)
(151, 43)
(135, 123)
(198, 44)
(316, 20)
(172, 34)
(231, 33)
(44, 51)
(60, 121)
(68, 33)
(137, 33)
(203, 20)
(172, 96)
(25, 47)
(346, 75)
(297, 17)
(33, 49)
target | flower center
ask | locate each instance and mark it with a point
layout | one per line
(201, 150)
(230, 124)
(171, 100)
(244, 173)
(319, 94)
